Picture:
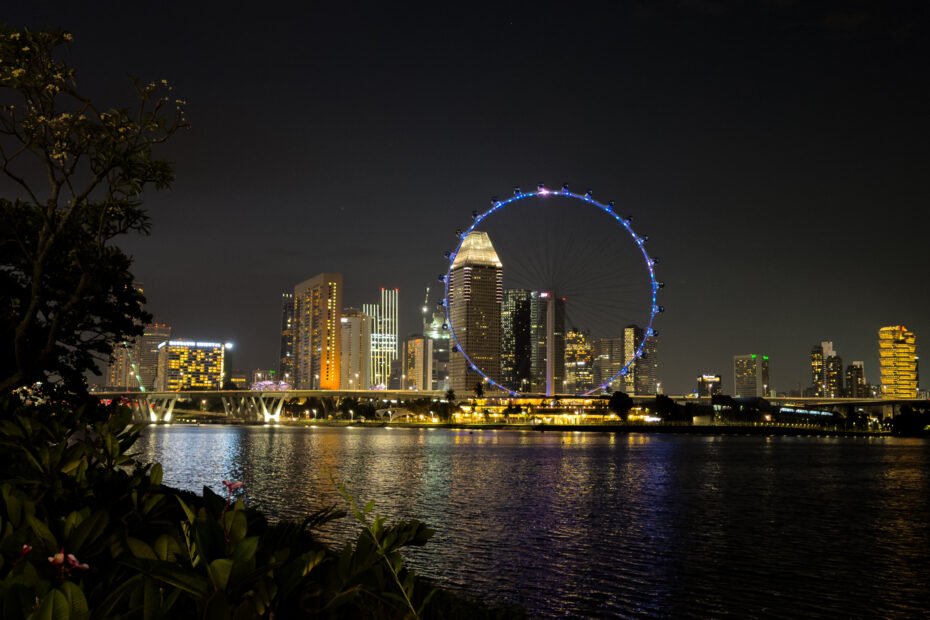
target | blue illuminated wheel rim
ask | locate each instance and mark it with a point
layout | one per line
(587, 198)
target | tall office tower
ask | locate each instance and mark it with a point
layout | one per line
(476, 293)
(608, 360)
(355, 352)
(515, 340)
(897, 357)
(833, 376)
(751, 375)
(286, 363)
(417, 373)
(188, 364)
(317, 332)
(385, 341)
(135, 364)
(547, 340)
(856, 386)
(120, 375)
(646, 369)
(433, 329)
(817, 369)
(709, 385)
(579, 362)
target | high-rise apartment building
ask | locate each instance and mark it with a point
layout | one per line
(897, 356)
(856, 384)
(642, 373)
(385, 341)
(355, 352)
(476, 293)
(709, 385)
(286, 361)
(826, 371)
(417, 373)
(579, 362)
(317, 332)
(515, 340)
(190, 365)
(751, 375)
(435, 328)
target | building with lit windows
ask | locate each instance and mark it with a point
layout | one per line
(751, 375)
(435, 328)
(579, 362)
(417, 373)
(709, 385)
(547, 337)
(189, 365)
(826, 371)
(608, 360)
(355, 353)
(286, 361)
(515, 340)
(385, 339)
(856, 384)
(134, 365)
(317, 332)
(897, 357)
(476, 293)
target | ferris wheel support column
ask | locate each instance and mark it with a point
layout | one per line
(550, 345)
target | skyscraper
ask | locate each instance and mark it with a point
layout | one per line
(856, 385)
(515, 340)
(579, 362)
(826, 371)
(317, 332)
(135, 364)
(547, 339)
(385, 342)
(417, 373)
(751, 375)
(608, 360)
(709, 385)
(641, 377)
(355, 353)
(476, 292)
(286, 362)
(188, 364)
(897, 356)
(439, 335)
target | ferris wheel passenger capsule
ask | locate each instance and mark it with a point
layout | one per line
(660, 284)
(474, 215)
(517, 191)
(610, 204)
(541, 188)
(442, 277)
(589, 194)
(660, 308)
(564, 187)
(447, 254)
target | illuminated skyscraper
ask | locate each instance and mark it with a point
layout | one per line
(385, 342)
(417, 373)
(433, 329)
(642, 374)
(856, 384)
(355, 354)
(897, 356)
(286, 363)
(190, 365)
(608, 360)
(579, 362)
(476, 292)
(515, 340)
(751, 375)
(317, 332)
(709, 385)
(547, 337)
(135, 364)
(826, 371)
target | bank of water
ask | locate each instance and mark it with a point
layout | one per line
(574, 524)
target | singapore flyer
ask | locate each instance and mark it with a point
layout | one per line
(551, 292)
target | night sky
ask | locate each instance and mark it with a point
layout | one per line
(776, 153)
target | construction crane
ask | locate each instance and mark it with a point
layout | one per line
(426, 302)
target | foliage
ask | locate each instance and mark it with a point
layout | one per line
(87, 532)
(620, 403)
(79, 170)
(912, 421)
(479, 389)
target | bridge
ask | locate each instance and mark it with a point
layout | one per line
(246, 405)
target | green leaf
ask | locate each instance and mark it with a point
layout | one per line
(151, 600)
(42, 532)
(166, 548)
(76, 601)
(141, 549)
(155, 476)
(219, 570)
(88, 531)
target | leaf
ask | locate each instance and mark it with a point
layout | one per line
(155, 476)
(219, 570)
(141, 549)
(42, 532)
(76, 601)
(166, 548)
(88, 531)
(187, 510)
(151, 600)
(53, 606)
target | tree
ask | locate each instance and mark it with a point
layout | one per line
(450, 395)
(479, 389)
(620, 403)
(78, 171)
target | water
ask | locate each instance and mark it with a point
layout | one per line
(605, 525)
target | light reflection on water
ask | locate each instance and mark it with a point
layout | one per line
(584, 524)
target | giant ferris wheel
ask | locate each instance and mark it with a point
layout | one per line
(609, 222)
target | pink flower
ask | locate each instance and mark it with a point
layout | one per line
(58, 559)
(233, 486)
(74, 563)
(25, 551)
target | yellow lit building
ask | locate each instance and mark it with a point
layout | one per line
(318, 332)
(897, 356)
(189, 365)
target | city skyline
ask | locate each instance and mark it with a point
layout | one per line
(736, 165)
